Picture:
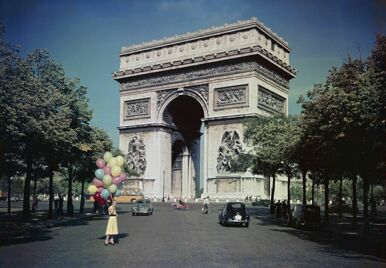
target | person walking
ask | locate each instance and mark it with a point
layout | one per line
(112, 224)
(206, 205)
(60, 208)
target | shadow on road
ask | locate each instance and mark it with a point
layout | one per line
(335, 242)
(38, 228)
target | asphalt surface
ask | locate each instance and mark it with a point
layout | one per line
(177, 238)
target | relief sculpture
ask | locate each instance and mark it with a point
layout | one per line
(271, 101)
(137, 108)
(136, 156)
(231, 96)
(230, 148)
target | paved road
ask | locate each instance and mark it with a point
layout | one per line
(174, 238)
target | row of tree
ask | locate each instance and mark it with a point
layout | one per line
(44, 124)
(340, 133)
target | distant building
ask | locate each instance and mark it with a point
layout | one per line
(182, 103)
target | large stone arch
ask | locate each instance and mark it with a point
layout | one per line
(181, 92)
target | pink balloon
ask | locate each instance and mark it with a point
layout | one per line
(100, 163)
(97, 182)
(123, 176)
(117, 180)
(107, 170)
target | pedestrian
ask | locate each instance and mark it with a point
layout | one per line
(56, 203)
(284, 209)
(206, 205)
(278, 209)
(60, 208)
(34, 204)
(112, 224)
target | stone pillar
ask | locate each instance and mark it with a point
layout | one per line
(205, 158)
(185, 174)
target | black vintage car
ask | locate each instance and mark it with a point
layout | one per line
(306, 215)
(143, 207)
(234, 213)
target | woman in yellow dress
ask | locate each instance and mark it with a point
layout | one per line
(112, 224)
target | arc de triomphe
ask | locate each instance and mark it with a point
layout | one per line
(183, 100)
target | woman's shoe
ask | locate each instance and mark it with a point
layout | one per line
(106, 243)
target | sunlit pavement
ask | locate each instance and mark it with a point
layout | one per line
(178, 238)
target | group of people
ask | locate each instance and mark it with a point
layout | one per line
(281, 209)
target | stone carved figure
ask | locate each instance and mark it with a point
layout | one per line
(231, 96)
(136, 156)
(229, 149)
(137, 108)
(270, 100)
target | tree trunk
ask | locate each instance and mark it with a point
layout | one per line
(366, 204)
(9, 196)
(326, 199)
(354, 201)
(340, 197)
(81, 209)
(51, 193)
(27, 183)
(313, 190)
(304, 178)
(272, 204)
(70, 206)
(373, 204)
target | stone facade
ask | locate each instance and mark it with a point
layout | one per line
(183, 101)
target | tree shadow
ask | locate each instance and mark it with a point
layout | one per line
(16, 231)
(371, 247)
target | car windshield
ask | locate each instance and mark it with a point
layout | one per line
(143, 201)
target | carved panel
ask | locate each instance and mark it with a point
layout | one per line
(133, 109)
(270, 101)
(161, 95)
(229, 149)
(202, 90)
(203, 72)
(229, 97)
(136, 156)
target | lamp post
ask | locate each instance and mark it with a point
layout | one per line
(163, 187)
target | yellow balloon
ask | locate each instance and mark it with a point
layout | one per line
(107, 180)
(115, 171)
(113, 188)
(92, 189)
(120, 160)
(112, 162)
(107, 156)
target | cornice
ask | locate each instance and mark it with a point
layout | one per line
(209, 58)
(203, 33)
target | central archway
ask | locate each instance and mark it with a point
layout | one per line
(184, 114)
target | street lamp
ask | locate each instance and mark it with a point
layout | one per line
(163, 188)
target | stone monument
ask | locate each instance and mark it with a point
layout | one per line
(183, 100)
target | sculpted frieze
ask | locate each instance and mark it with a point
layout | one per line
(136, 108)
(270, 100)
(230, 96)
(203, 72)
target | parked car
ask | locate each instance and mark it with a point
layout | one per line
(130, 195)
(234, 213)
(306, 215)
(334, 207)
(143, 207)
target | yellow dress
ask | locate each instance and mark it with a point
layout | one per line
(112, 224)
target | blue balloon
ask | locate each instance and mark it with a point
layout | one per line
(99, 174)
(118, 193)
(105, 193)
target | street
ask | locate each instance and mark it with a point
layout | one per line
(177, 238)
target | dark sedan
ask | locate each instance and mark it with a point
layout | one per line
(234, 213)
(142, 207)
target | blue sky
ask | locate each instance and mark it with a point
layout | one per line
(86, 36)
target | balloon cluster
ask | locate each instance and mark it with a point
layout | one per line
(109, 178)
